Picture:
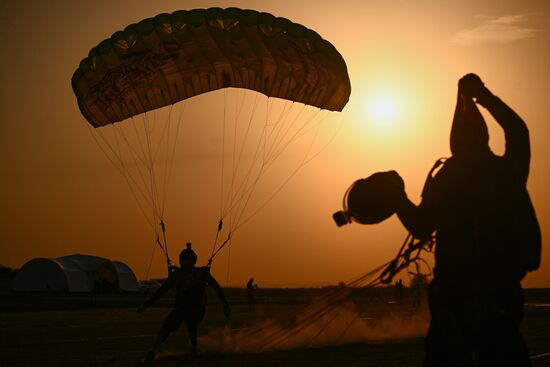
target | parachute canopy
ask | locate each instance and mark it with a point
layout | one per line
(171, 57)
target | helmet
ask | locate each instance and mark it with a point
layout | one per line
(369, 200)
(188, 253)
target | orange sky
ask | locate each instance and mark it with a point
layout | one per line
(60, 195)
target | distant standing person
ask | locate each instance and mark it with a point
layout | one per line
(399, 291)
(190, 303)
(418, 285)
(251, 289)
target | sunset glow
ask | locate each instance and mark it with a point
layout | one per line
(384, 111)
(61, 195)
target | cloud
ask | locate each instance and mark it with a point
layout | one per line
(503, 29)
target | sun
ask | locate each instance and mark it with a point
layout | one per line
(383, 110)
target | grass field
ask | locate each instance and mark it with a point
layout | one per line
(105, 330)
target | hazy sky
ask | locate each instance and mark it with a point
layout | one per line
(60, 195)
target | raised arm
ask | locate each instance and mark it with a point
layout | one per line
(518, 149)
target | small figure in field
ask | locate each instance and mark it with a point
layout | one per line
(399, 291)
(418, 285)
(251, 288)
(190, 303)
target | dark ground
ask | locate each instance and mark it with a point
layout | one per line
(104, 330)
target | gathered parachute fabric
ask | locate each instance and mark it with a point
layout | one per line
(371, 200)
(162, 60)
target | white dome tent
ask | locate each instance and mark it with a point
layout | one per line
(75, 273)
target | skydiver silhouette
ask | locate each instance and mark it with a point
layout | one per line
(487, 237)
(190, 303)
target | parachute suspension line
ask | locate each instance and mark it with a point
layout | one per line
(243, 188)
(135, 155)
(222, 179)
(209, 263)
(220, 226)
(158, 199)
(149, 160)
(278, 133)
(237, 197)
(278, 146)
(284, 141)
(129, 178)
(222, 176)
(164, 246)
(239, 222)
(163, 227)
(153, 189)
(223, 153)
(170, 153)
(150, 262)
(236, 158)
(299, 132)
(151, 199)
(234, 197)
(246, 192)
(164, 140)
(143, 152)
(119, 135)
(329, 303)
(141, 156)
(384, 275)
(234, 153)
(281, 138)
(121, 168)
(276, 129)
(234, 164)
(409, 253)
(228, 271)
(305, 160)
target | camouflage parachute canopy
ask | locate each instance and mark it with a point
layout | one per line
(163, 60)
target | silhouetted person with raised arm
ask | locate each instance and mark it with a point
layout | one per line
(487, 237)
(190, 303)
